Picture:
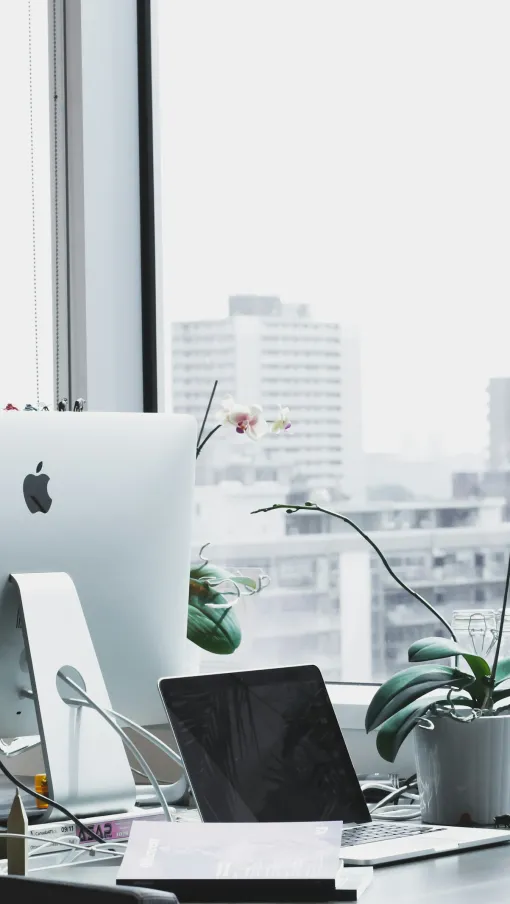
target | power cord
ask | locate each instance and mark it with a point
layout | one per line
(52, 803)
(170, 817)
(148, 735)
(139, 772)
(399, 812)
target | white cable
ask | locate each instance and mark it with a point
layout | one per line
(44, 842)
(397, 792)
(377, 786)
(397, 812)
(127, 741)
(148, 735)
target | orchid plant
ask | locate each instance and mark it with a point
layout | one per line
(214, 590)
(404, 701)
(246, 419)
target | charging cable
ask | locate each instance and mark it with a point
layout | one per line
(148, 735)
(170, 817)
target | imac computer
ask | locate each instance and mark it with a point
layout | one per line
(96, 513)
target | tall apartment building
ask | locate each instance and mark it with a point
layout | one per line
(271, 353)
(330, 600)
(499, 423)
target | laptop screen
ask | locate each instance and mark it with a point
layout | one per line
(263, 746)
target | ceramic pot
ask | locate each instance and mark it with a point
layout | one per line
(463, 770)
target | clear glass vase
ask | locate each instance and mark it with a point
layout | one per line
(476, 631)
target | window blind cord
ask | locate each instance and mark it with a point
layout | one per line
(32, 189)
(56, 186)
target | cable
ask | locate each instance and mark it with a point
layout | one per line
(134, 750)
(143, 775)
(394, 795)
(52, 803)
(127, 741)
(148, 735)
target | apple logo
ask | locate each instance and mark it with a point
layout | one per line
(35, 491)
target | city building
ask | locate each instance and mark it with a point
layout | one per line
(330, 599)
(499, 423)
(483, 485)
(273, 354)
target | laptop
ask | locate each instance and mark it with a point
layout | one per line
(265, 746)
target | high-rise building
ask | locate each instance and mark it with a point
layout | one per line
(330, 600)
(272, 353)
(499, 423)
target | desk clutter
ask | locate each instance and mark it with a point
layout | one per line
(62, 405)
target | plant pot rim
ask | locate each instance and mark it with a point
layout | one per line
(437, 718)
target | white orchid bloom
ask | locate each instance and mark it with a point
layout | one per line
(245, 418)
(282, 422)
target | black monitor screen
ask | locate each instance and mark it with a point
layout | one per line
(263, 746)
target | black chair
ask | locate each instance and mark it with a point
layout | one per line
(38, 891)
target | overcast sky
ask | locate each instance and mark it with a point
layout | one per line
(356, 156)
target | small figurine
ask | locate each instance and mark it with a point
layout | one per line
(10, 407)
(45, 408)
(62, 405)
(502, 822)
(29, 407)
(79, 405)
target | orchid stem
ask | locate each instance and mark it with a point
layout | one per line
(312, 507)
(492, 679)
(208, 437)
(206, 415)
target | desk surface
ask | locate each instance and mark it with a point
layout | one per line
(465, 878)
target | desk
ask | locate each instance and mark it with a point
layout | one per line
(468, 878)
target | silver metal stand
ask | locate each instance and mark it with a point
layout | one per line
(85, 761)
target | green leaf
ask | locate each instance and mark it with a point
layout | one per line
(406, 686)
(441, 647)
(393, 733)
(245, 582)
(503, 670)
(208, 572)
(215, 630)
(395, 730)
(213, 573)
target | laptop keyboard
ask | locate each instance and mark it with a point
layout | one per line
(367, 834)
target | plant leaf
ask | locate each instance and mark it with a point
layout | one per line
(406, 686)
(503, 670)
(215, 630)
(393, 733)
(429, 648)
(208, 572)
(245, 582)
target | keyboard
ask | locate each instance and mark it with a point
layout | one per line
(367, 834)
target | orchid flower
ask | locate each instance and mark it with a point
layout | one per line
(282, 422)
(246, 419)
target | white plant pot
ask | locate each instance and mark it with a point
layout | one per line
(463, 770)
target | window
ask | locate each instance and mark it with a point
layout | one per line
(26, 299)
(334, 187)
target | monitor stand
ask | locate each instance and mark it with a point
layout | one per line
(85, 761)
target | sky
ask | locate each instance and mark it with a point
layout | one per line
(17, 301)
(354, 156)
